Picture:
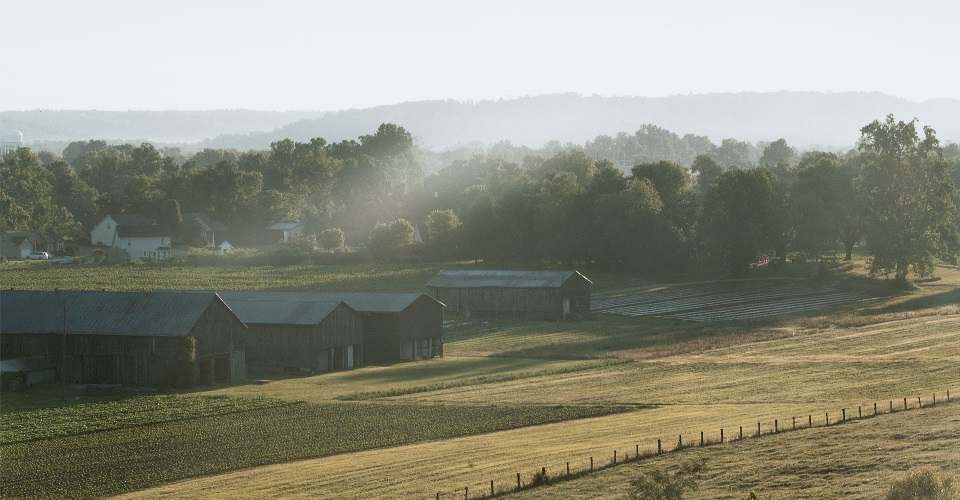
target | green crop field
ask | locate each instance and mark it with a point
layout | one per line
(511, 397)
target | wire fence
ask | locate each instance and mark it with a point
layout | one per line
(540, 476)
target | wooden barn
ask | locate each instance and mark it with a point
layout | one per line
(396, 326)
(549, 295)
(298, 335)
(126, 338)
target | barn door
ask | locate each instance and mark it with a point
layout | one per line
(566, 307)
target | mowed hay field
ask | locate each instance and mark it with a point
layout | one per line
(806, 373)
(662, 378)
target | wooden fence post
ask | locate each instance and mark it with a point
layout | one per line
(809, 421)
(860, 412)
(758, 429)
(741, 433)
(948, 395)
(638, 452)
(828, 419)
(568, 468)
(518, 480)
(659, 448)
(591, 463)
(491, 487)
(904, 403)
(891, 406)
(438, 495)
(701, 438)
(919, 403)
(466, 493)
(794, 422)
(776, 426)
(721, 435)
(843, 418)
(680, 442)
(614, 457)
(934, 398)
(874, 408)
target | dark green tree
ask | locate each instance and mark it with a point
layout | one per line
(735, 227)
(909, 196)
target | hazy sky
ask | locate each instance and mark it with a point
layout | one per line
(282, 55)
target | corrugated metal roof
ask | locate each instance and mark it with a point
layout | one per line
(358, 301)
(160, 314)
(282, 312)
(285, 225)
(503, 279)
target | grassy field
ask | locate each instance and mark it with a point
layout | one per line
(678, 379)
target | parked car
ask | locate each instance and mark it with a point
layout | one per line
(39, 256)
(62, 259)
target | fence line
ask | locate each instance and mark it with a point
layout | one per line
(540, 477)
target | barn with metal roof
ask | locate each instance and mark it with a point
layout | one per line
(396, 326)
(550, 295)
(297, 334)
(127, 338)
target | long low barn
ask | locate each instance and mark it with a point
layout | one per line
(396, 326)
(128, 338)
(298, 334)
(549, 295)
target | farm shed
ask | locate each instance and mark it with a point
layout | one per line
(396, 326)
(299, 334)
(550, 295)
(126, 338)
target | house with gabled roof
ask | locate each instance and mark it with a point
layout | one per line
(287, 230)
(136, 235)
(105, 231)
(20, 244)
(550, 295)
(126, 338)
(211, 230)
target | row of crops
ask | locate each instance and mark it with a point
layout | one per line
(129, 454)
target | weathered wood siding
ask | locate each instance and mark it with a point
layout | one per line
(314, 347)
(415, 332)
(139, 360)
(526, 302)
(101, 359)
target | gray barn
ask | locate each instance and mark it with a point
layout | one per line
(127, 338)
(549, 295)
(396, 326)
(294, 334)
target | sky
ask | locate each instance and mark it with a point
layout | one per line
(320, 55)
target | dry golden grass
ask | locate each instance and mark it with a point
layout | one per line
(812, 373)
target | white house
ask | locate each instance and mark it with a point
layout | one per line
(150, 242)
(289, 230)
(105, 232)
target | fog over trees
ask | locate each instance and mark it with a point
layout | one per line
(672, 202)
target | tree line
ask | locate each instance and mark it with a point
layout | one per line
(895, 192)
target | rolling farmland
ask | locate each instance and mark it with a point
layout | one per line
(513, 396)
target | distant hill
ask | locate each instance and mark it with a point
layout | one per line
(804, 119)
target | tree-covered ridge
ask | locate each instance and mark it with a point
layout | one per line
(573, 205)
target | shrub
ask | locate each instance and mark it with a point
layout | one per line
(924, 484)
(663, 485)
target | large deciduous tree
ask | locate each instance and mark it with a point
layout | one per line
(736, 225)
(909, 196)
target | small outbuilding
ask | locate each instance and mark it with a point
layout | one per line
(396, 326)
(18, 373)
(549, 295)
(125, 338)
(298, 335)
